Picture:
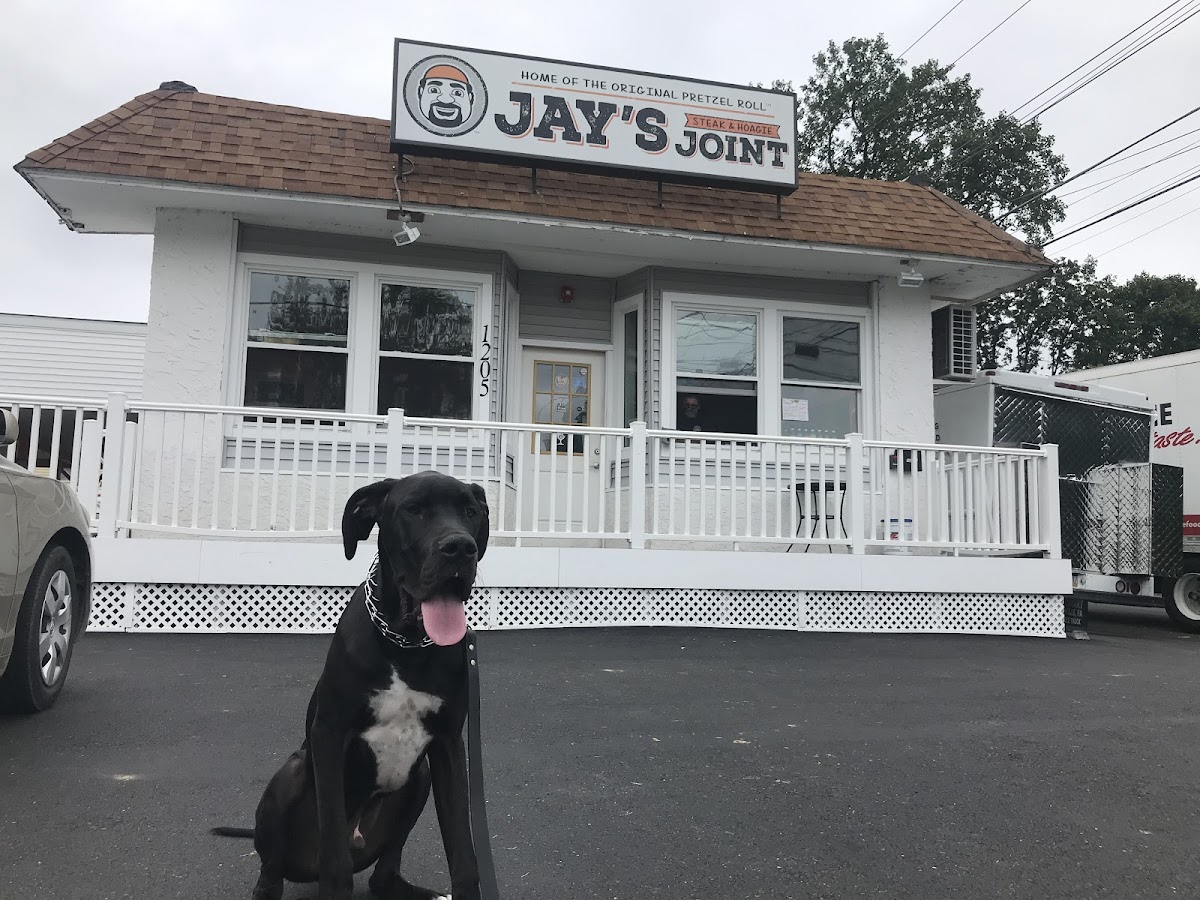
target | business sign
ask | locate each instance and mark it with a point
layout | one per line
(474, 103)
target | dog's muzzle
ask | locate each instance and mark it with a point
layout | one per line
(443, 610)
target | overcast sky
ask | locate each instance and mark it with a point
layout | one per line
(66, 63)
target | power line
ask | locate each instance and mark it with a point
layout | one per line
(1151, 231)
(1098, 186)
(1094, 58)
(1094, 75)
(931, 27)
(1164, 204)
(1108, 183)
(1165, 28)
(1146, 40)
(1125, 208)
(990, 33)
(894, 109)
(1033, 198)
(1169, 140)
(1184, 174)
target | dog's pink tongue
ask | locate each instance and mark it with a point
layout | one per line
(445, 620)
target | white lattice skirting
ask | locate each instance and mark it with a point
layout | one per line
(268, 609)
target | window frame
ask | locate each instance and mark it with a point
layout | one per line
(670, 365)
(548, 427)
(362, 342)
(476, 336)
(859, 386)
(616, 386)
(770, 380)
(243, 327)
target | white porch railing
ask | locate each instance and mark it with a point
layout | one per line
(234, 472)
(60, 437)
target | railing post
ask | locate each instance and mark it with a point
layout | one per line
(395, 443)
(637, 485)
(856, 511)
(111, 464)
(1048, 499)
(89, 438)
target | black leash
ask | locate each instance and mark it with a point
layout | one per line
(480, 835)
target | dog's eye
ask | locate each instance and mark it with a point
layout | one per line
(471, 512)
(415, 510)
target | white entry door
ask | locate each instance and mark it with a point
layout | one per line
(562, 477)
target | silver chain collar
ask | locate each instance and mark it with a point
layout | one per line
(369, 588)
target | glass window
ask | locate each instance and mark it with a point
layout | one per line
(819, 412)
(716, 343)
(629, 402)
(295, 379)
(705, 405)
(723, 346)
(425, 346)
(299, 309)
(562, 396)
(820, 350)
(817, 354)
(297, 341)
(432, 321)
(429, 388)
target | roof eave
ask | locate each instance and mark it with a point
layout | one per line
(1025, 271)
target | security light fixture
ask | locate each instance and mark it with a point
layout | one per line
(407, 234)
(909, 276)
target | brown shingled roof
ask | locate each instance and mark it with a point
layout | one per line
(204, 139)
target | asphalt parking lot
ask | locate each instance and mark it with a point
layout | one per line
(658, 763)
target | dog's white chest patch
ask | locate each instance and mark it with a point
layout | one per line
(398, 737)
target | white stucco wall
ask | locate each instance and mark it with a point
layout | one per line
(904, 364)
(191, 287)
(192, 294)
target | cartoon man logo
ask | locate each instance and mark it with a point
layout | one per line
(445, 95)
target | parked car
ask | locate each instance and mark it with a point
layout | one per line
(45, 581)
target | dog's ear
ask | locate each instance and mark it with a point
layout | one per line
(485, 526)
(362, 512)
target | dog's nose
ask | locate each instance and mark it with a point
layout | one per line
(459, 546)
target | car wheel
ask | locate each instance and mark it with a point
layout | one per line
(1182, 599)
(45, 635)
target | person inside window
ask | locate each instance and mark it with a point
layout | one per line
(689, 413)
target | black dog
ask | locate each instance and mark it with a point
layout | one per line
(385, 720)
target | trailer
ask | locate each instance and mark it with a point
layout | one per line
(1122, 511)
(1172, 384)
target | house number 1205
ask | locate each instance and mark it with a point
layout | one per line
(485, 365)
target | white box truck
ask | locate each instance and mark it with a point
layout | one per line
(1121, 509)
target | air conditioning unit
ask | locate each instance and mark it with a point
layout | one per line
(954, 343)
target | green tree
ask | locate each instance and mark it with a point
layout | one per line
(864, 114)
(1147, 316)
(1046, 324)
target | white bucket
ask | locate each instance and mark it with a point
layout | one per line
(897, 530)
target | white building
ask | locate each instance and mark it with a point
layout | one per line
(640, 373)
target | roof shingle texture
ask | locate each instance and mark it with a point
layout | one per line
(204, 139)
